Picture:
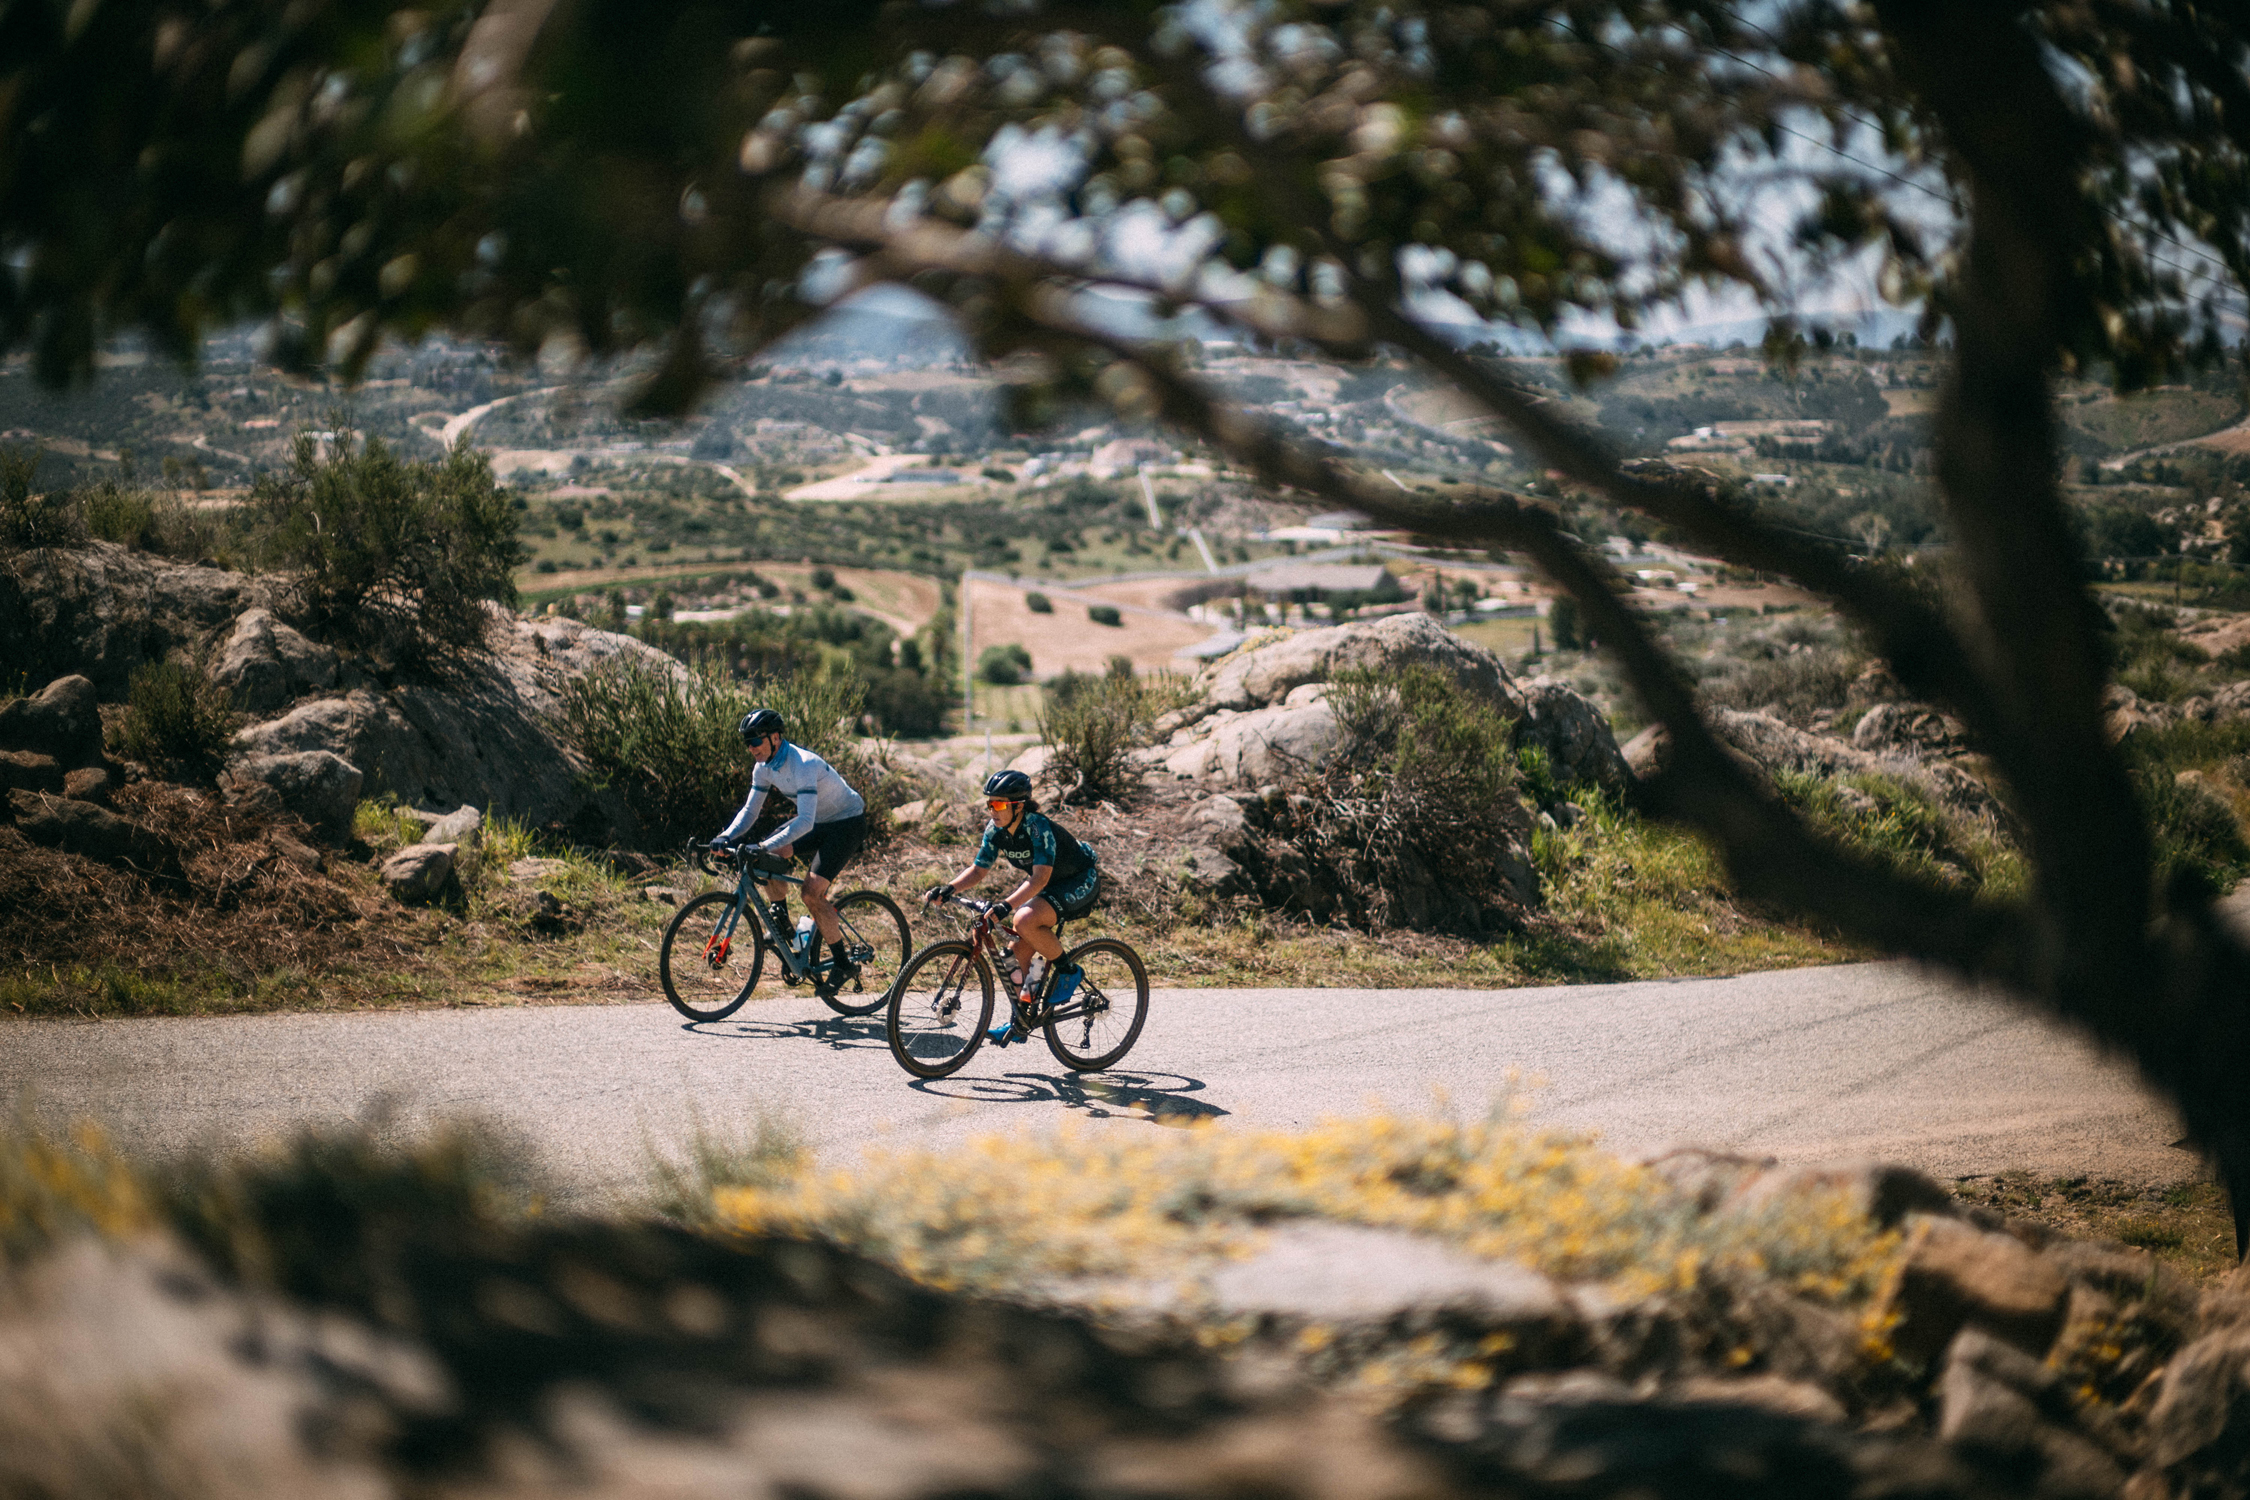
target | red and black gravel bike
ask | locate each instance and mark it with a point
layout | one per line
(1090, 1005)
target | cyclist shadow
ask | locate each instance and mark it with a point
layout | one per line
(1159, 1098)
(837, 1033)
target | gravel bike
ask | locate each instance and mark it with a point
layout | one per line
(712, 958)
(942, 1004)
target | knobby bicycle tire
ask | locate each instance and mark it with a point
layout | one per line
(1108, 964)
(697, 988)
(863, 914)
(928, 1039)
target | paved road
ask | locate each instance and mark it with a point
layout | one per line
(1812, 1064)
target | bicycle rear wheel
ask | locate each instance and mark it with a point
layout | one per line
(939, 1010)
(1098, 1024)
(705, 978)
(875, 936)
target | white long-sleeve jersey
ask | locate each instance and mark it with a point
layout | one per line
(821, 795)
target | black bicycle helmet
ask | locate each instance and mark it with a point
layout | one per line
(1008, 786)
(759, 723)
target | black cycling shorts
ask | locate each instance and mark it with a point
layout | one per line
(831, 846)
(1077, 898)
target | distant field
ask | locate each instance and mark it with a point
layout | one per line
(1067, 640)
(2150, 418)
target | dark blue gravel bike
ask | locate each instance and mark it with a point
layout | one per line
(715, 950)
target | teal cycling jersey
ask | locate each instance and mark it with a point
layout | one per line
(1038, 840)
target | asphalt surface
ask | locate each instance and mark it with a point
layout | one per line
(1872, 1060)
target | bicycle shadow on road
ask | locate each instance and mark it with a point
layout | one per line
(1159, 1098)
(837, 1033)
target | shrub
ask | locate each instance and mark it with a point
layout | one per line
(395, 556)
(1090, 732)
(902, 701)
(176, 718)
(997, 474)
(1104, 614)
(1562, 622)
(1905, 827)
(118, 513)
(824, 578)
(1004, 666)
(1791, 686)
(1417, 805)
(29, 520)
(667, 737)
(1038, 603)
(1091, 725)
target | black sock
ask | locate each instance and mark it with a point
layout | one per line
(836, 950)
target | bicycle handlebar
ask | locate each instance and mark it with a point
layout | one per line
(980, 907)
(752, 858)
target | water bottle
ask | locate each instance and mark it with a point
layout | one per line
(1031, 978)
(808, 934)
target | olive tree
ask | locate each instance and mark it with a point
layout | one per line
(1313, 172)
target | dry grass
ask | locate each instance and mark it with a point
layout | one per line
(1124, 1220)
(2184, 1224)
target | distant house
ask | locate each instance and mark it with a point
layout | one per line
(1123, 455)
(1342, 583)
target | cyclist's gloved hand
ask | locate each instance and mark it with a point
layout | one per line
(936, 894)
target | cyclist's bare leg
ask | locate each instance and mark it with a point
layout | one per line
(823, 910)
(1035, 932)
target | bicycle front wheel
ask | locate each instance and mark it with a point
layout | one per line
(876, 939)
(1099, 1022)
(708, 975)
(939, 1010)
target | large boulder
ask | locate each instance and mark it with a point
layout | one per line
(418, 872)
(1574, 734)
(1262, 745)
(487, 737)
(1267, 674)
(319, 786)
(29, 771)
(264, 663)
(1263, 715)
(80, 828)
(63, 719)
(101, 610)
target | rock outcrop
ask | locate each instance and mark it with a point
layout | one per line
(1267, 674)
(62, 720)
(100, 610)
(485, 738)
(265, 664)
(317, 785)
(1264, 713)
(1765, 744)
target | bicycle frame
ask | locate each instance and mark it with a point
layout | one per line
(778, 938)
(993, 915)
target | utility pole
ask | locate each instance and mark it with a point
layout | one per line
(968, 661)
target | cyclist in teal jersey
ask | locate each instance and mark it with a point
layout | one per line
(1061, 879)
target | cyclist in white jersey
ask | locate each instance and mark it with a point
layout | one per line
(827, 831)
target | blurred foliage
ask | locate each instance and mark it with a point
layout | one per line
(604, 174)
